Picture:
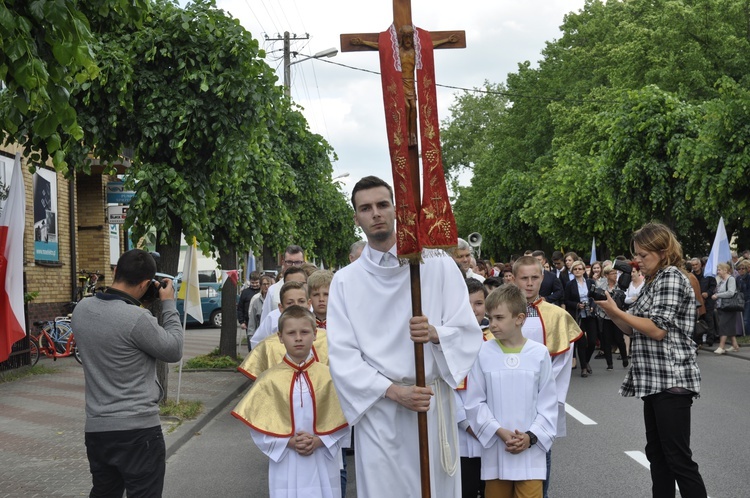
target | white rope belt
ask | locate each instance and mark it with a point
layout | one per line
(447, 428)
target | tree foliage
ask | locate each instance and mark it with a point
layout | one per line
(46, 50)
(637, 112)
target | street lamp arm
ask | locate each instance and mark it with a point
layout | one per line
(330, 52)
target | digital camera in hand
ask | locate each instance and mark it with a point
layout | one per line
(597, 294)
(160, 282)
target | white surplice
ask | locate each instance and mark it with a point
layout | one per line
(468, 445)
(370, 348)
(562, 365)
(293, 476)
(268, 327)
(515, 391)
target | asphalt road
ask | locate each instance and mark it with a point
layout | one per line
(601, 457)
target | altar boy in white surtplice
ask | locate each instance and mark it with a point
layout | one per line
(511, 401)
(295, 416)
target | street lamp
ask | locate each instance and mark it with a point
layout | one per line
(329, 52)
(337, 178)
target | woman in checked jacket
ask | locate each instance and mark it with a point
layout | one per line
(664, 373)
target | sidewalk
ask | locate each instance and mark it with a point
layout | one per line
(42, 450)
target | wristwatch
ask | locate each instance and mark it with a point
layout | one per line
(532, 438)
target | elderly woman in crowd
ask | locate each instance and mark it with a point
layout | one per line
(726, 322)
(581, 307)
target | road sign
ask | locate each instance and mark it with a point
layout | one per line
(116, 193)
(117, 214)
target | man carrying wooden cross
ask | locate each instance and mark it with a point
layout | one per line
(371, 355)
(394, 365)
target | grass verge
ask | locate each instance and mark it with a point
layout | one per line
(213, 360)
(14, 375)
(184, 410)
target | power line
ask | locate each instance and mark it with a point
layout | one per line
(510, 95)
(255, 16)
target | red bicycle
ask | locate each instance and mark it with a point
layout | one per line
(54, 340)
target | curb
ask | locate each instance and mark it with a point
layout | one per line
(193, 426)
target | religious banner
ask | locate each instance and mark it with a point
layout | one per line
(436, 223)
(432, 226)
(45, 215)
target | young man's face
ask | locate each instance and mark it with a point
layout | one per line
(463, 258)
(508, 277)
(503, 324)
(255, 284)
(529, 280)
(559, 263)
(319, 302)
(298, 337)
(477, 305)
(295, 277)
(292, 297)
(375, 213)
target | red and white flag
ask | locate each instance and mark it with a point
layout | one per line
(12, 220)
(227, 275)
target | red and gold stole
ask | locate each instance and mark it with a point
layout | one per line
(433, 226)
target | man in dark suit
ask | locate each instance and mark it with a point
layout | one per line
(552, 289)
(560, 270)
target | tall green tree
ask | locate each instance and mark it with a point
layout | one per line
(46, 50)
(633, 114)
(190, 93)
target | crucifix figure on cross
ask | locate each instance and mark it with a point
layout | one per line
(386, 452)
(408, 65)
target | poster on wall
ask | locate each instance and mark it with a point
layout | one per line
(6, 171)
(45, 216)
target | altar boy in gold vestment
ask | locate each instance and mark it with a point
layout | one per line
(295, 416)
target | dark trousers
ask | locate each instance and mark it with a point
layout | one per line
(611, 334)
(132, 461)
(667, 418)
(471, 481)
(711, 321)
(587, 344)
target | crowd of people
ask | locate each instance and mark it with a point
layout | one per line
(334, 352)
(624, 279)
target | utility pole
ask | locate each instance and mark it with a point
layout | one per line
(287, 39)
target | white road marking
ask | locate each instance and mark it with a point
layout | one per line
(640, 457)
(578, 415)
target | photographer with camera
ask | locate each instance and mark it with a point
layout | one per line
(664, 373)
(610, 333)
(120, 342)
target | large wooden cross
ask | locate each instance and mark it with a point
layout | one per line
(368, 42)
